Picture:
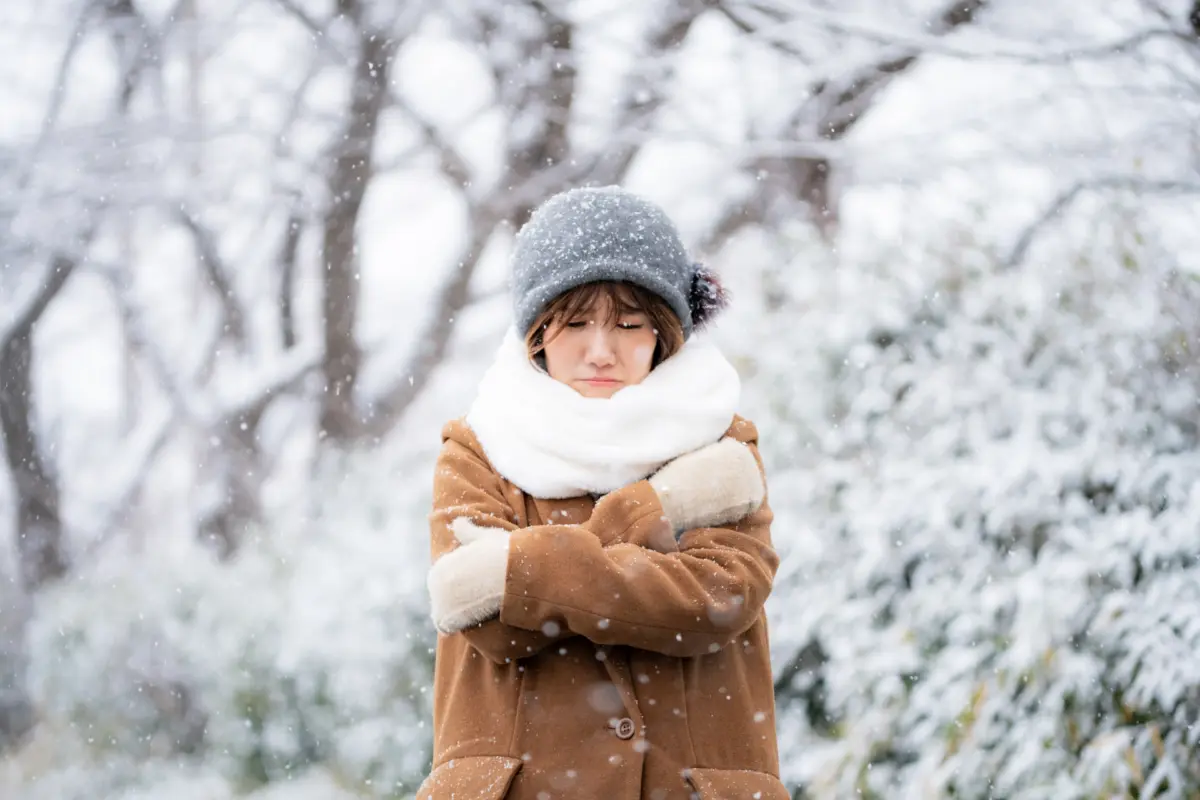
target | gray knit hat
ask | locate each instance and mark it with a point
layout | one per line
(607, 234)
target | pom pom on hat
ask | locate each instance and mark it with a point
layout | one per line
(706, 297)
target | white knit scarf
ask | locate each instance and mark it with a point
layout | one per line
(552, 442)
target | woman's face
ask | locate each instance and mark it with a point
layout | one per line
(598, 359)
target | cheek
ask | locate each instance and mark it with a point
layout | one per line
(561, 354)
(551, 353)
(643, 355)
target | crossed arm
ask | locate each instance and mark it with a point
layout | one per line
(619, 578)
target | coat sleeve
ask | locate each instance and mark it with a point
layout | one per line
(682, 604)
(465, 486)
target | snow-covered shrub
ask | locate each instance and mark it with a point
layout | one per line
(312, 646)
(987, 487)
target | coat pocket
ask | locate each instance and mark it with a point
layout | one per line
(470, 778)
(735, 784)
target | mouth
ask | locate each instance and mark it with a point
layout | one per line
(601, 381)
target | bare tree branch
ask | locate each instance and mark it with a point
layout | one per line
(31, 309)
(287, 279)
(434, 340)
(295, 107)
(751, 209)
(57, 94)
(228, 428)
(135, 43)
(285, 375)
(435, 138)
(214, 269)
(843, 101)
(220, 521)
(450, 161)
(645, 93)
(958, 15)
(316, 30)
(1071, 194)
(147, 453)
(537, 135)
(302, 16)
(833, 107)
(781, 43)
(187, 401)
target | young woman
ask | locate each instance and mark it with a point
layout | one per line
(600, 535)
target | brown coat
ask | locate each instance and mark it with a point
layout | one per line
(623, 666)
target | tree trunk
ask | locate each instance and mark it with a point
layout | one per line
(348, 183)
(40, 549)
(41, 555)
(17, 717)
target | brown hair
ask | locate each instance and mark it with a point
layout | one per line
(624, 298)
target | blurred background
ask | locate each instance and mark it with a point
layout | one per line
(254, 254)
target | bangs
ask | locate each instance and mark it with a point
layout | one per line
(618, 298)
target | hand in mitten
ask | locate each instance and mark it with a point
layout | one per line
(718, 484)
(466, 584)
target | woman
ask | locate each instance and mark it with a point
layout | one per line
(601, 543)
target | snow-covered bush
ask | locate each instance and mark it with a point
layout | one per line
(312, 646)
(987, 487)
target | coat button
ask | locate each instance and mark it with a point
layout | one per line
(624, 728)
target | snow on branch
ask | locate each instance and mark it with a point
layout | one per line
(959, 14)
(1068, 196)
(233, 320)
(780, 42)
(645, 90)
(836, 100)
(29, 309)
(451, 162)
(140, 453)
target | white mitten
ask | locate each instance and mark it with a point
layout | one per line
(466, 585)
(718, 484)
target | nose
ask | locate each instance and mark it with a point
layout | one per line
(600, 350)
